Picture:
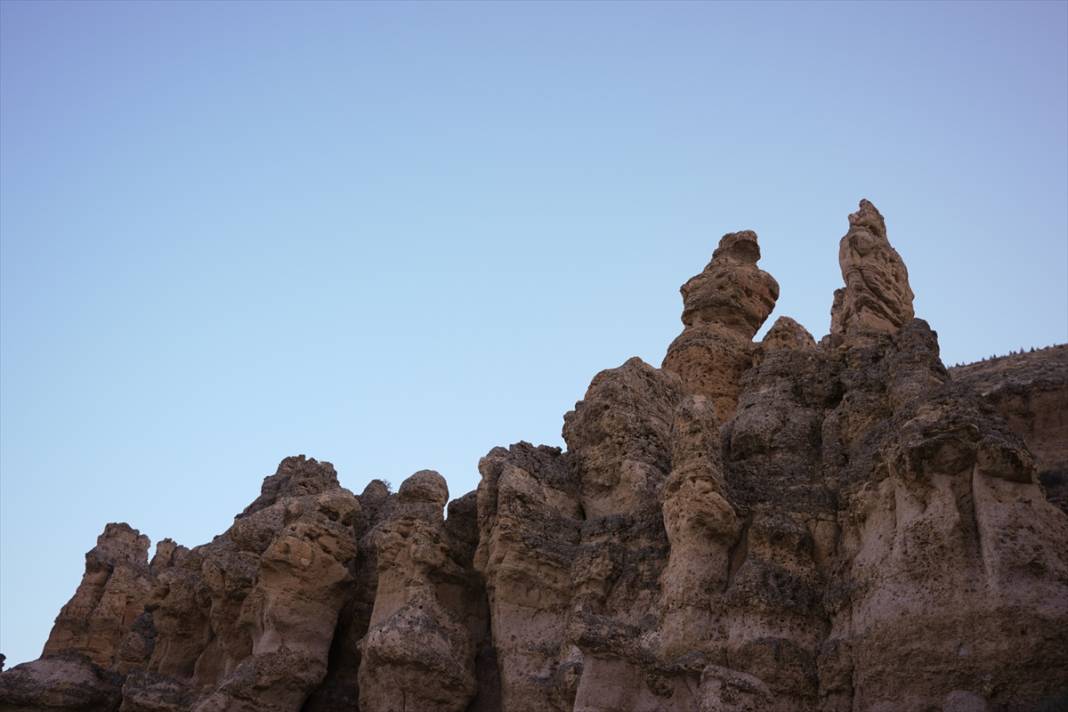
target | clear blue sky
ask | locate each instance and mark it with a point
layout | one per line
(394, 236)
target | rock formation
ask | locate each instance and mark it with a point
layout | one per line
(876, 298)
(782, 526)
(1030, 390)
(723, 308)
(418, 653)
(99, 619)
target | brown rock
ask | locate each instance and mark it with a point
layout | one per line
(1030, 390)
(247, 621)
(418, 652)
(877, 298)
(619, 438)
(786, 333)
(723, 308)
(782, 527)
(529, 514)
(340, 688)
(59, 682)
(702, 528)
(109, 599)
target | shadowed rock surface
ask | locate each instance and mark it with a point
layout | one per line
(1030, 390)
(782, 526)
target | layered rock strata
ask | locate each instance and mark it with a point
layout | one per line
(782, 526)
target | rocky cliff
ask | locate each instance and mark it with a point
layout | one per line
(1030, 390)
(781, 525)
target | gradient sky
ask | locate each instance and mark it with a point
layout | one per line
(395, 236)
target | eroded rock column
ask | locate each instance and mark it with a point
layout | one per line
(529, 517)
(723, 308)
(876, 298)
(620, 438)
(109, 598)
(418, 653)
(702, 527)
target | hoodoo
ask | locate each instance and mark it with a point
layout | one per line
(876, 298)
(782, 526)
(723, 308)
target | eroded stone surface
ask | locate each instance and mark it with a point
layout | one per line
(61, 682)
(529, 523)
(723, 308)
(876, 298)
(1030, 390)
(776, 527)
(109, 598)
(418, 652)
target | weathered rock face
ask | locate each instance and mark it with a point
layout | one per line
(723, 308)
(877, 298)
(776, 527)
(620, 438)
(109, 599)
(419, 653)
(60, 682)
(786, 333)
(1030, 390)
(529, 520)
(243, 623)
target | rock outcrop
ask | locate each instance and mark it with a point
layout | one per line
(876, 298)
(1030, 390)
(419, 653)
(100, 617)
(529, 524)
(782, 526)
(723, 308)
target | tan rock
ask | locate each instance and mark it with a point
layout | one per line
(247, 621)
(529, 514)
(702, 527)
(418, 653)
(1030, 390)
(782, 527)
(109, 598)
(723, 308)
(619, 438)
(786, 333)
(877, 298)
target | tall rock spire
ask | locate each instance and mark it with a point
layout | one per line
(723, 308)
(876, 298)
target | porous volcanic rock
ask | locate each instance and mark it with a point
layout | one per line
(783, 526)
